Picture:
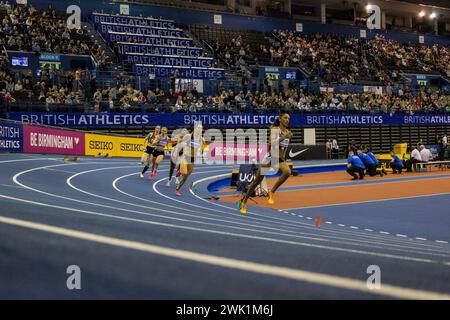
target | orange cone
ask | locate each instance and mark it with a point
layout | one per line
(318, 221)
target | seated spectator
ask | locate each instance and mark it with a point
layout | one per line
(413, 160)
(425, 154)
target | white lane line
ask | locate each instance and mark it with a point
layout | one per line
(247, 227)
(296, 234)
(353, 227)
(328, 222)
(441, 241)
(300, 216)
(304, 225)
(22, 160)
(198, 222)
(284, 272)
(384, 232)
(10, 186)
(370, 201)
(239, 235)
(423, 239)
(309, 218)
(401, 235)
(341, 225)
(312, 237)
(370, 230)
(59, 170)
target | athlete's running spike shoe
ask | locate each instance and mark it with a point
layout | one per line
(177, 192)
(168, 183)
(153, 175)
(142, 175)
(242, 207)
(271, 198)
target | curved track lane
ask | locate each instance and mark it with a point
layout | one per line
(132, 238)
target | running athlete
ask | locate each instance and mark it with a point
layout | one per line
(194, 141)
(160, 143)
(147, 157)
(281, 135)
(176, 154)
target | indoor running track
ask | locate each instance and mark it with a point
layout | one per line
(132, 238)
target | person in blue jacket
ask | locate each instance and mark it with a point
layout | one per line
(396, 164)
(355, 165)
(371, 163)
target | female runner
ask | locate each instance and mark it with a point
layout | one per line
(281, 135)
(176, 154)
(160, 143)
(194, 142)
(147, 157)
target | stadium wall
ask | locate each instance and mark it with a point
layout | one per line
(189, 16)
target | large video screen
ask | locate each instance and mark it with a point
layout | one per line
(19, 61)
(291, 75)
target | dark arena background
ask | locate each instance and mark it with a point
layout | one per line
(95, 203)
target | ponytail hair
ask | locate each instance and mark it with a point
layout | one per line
(276, 123)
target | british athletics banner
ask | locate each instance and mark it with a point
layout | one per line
(11, 137)
(153, 31)
(148, 39)
(221, 120)
(160, 60)
(126, 47)
(132, 21)
(182, 72)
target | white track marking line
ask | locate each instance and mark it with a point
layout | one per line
(10, 186)
(206, 217)
(94, 213)
(440, 241)
(362, 234)
(164, 212)
(422, 239)
(369, 201)
(311, 237)
(22, 160)
(58, 170)
(133, 211)
(297, 233)
(401, 235)
(384, 232)
(368, 183)
(289, 273)
(353, 227)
